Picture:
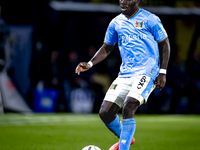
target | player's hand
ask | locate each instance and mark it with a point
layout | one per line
(83, 66)
(160, 81)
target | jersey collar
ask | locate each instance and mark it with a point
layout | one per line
(133, 13)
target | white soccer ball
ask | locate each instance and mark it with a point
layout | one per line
(91, 147)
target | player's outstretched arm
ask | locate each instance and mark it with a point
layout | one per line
(164, 50)
(100, 55)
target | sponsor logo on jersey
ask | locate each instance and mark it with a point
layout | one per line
(141, 83)
(125, 39)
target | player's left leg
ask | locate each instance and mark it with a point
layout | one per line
(128, 123)
(138, 94)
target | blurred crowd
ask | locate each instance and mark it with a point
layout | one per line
(60, 40)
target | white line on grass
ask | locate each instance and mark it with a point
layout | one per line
(46, 120)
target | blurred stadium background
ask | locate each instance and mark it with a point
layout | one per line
(43, 41)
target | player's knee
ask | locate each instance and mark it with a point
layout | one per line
(106, 116)
(104, 110)
(103, 113)
(129, 108)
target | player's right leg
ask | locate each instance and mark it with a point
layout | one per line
(108, 114)
(113, 101)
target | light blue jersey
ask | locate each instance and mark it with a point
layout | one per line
(137, 38)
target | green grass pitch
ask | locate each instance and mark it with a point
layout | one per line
(73, 132)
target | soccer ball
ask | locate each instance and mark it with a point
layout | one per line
(91, 147)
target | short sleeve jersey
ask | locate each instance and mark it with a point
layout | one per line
(137, 38)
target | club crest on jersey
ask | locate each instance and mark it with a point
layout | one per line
(139, 24)
(113, 86)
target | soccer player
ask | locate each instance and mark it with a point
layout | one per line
(145, 50)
